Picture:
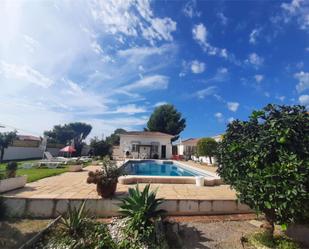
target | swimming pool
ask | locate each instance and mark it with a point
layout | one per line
(155, 168)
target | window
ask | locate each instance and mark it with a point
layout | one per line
(134, 146)
(155, 148)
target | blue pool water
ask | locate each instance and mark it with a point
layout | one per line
(151, 168)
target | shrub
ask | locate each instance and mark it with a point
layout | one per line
(11, 168)
(207, 147)
(266, 160)
(141, 207)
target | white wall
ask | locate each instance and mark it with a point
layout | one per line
(18, 153)
(128, 139)
(180, 149)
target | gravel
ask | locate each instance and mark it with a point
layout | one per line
(215, 235)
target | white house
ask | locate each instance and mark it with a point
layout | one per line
(145, 144)
(188, 148)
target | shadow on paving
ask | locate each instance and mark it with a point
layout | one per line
(186, 237)
(11, 237)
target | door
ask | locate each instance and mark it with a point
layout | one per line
(163, 151)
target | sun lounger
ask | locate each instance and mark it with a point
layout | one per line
(27, 165)
(50, 164)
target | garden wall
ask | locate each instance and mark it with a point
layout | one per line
(20, 153)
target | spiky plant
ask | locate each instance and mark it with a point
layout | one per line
(74, 219)
(141, 206)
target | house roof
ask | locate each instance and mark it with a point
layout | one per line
(190, 141)
(146, 133)
(28, 138)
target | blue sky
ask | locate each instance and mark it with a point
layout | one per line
(110, 63)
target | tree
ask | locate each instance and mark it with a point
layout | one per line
(76, 132)
(6, 138)
(167, 119)
(266, 160)
(100, 147)
(207, 147)
(114, 138)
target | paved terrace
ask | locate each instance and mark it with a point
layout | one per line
(54, 193)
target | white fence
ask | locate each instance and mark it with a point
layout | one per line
(19, 153)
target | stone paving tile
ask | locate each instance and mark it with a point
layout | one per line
(73, 185)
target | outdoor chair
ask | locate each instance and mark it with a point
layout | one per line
(27, 165)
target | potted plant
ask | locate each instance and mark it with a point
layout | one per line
(11, 168)
(105, 179)
(9, 180)
(76, 166)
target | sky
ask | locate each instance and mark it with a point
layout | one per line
(110, 63)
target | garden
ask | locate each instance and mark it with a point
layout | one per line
(265, 159)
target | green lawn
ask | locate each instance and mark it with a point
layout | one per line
(35, 173)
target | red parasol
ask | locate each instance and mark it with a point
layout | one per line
(68, 149)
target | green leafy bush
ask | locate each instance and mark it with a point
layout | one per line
(207, 147)
(11, 169)
(266, 160)
(262, 239)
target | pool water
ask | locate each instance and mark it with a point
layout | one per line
(150, 168)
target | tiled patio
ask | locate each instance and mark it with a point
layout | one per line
(50, 196)
(72, 185)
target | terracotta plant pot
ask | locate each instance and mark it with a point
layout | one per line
(106, 191)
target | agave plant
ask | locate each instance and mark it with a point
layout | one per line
(141, 206)
(74, 219)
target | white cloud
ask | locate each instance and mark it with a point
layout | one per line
(130, 109)
(219, 116)
(190, 9)
(197, 67)
(24, 73)
(258, 78)
(200, 34)
(30, 43)
(281, 98)
(233, 106)
(304, 100)
(231, 119)
(139, 53)
(201, 94)
(153, 82)
(254, 35)
(303, 81)
(255, 60)
(96, 47)
(160, 103)
(75, 73)
(298, 10)
(223, 19)
(133, 18)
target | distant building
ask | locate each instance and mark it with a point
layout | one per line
(27, 147)
(187, 148)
